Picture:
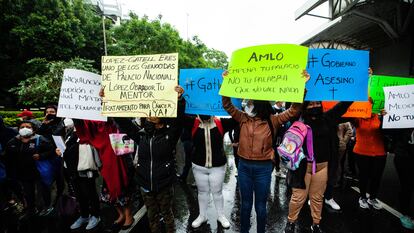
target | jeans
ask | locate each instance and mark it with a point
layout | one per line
(254, 178)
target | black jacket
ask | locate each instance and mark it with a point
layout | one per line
(156, 153)
(215, 156)
(325, 144)
(71, 154)
(19, 157)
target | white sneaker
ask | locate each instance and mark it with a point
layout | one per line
(93, 222)
(199, 221)
(332, 203)
(375, 203)
(236, 174)
(78, 223)
(224, 222)
(363, 203)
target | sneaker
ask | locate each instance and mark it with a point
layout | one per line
(290, 227)
(332, 203)
(46, 212)
(224, 222)
(407, 222)
(236, 174)
(199, 221)
(93, 222)
(316, 229)
(78, 223)
(363, 203)
(375, 203)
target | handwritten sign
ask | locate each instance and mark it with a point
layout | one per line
(267, 72)
(337, 75)
(399, 104)
(376, 85)
(79, 95)
(140, 86)
(356, 110)
(201, 87)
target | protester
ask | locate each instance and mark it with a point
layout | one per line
(257, 127)
(234, 136)
(83, 181)
(345, 133)
(188, 147)
(351, 171)
(278, 108)
(325, 146)
(27, 115)
(157, 139)
(21, 154)
(370, 157)
(209, 163)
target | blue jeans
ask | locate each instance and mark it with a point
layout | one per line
(254, 177)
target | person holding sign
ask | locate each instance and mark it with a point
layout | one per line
(302, 180)
(157, 139)
(257, 127)
(209, 163)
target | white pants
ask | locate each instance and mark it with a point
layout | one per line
(209, 180)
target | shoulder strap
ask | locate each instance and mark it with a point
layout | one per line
(217, 121)
(269, 122)
(195, 127)
(309, 146)
(37, 141)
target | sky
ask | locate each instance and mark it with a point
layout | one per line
(228, 25)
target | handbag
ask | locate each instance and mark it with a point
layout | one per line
(88, 158)
(67, 206)
(45, 168)
(121, 143)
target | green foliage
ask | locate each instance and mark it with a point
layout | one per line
(13, 114)
(11, 122)
(43, 85)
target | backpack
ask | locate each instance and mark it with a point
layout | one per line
(216, 121)
(291, 151)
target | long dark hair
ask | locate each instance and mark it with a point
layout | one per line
(263, 109)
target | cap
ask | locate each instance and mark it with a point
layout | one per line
(25, 113)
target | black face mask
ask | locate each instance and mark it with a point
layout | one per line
(204, 117)
(149, 127)
(314, 112)
(50, 117)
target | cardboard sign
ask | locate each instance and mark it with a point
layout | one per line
(337, 75)
(201, 87)
(79, 95)
(376, 91)
(356, 110)
(267, 72)
(140, 86)
(399, 104)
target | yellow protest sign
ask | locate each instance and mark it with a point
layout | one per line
(140, 86)
(267, 72)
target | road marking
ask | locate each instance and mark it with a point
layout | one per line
(386, 207)
(137, 218)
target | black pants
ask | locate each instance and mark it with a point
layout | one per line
(404, 167)
(85, 189)
(370, 174)
(188, 147)
(59, 177)
(30, 194)
(236, 156)
(351, 169)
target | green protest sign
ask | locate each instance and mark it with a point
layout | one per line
(376, 91)
(267, 72)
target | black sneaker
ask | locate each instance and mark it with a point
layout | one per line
(316, 229)
(290, 227)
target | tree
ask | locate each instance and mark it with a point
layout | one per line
(45, 78)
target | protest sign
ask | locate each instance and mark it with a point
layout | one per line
(337, 75)
(267, 72)
(201, 87)
(79, 95)
(376, 85)
(59, 143)
(140, 86)
(399, 104)
(356, 110)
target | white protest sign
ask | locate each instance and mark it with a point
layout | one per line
(59, 143)
(79, 95)
(399, 104)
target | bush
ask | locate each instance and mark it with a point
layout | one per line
(13, 114)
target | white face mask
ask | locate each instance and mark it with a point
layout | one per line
(25, 132)
(249, 110)
(68, 123)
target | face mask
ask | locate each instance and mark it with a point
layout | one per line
(25, 132)
(50, 117)
(68, 123)
(149, 127)
(249, 110)
(204, 117)
(314, 112)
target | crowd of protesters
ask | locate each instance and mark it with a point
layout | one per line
(32, 161)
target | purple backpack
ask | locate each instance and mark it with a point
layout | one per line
(290, 150)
